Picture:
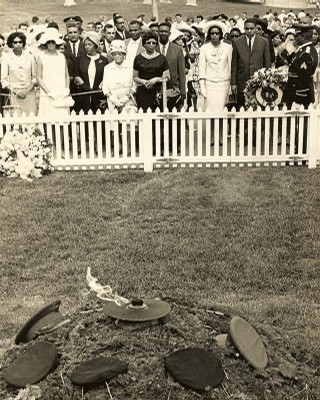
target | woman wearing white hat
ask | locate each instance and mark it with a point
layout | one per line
(118, 85)
(215, 67)
(52, 76)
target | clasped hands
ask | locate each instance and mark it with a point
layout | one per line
(151, 82)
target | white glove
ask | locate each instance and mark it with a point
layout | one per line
(203, 89)
(123, 100)
(114, 100)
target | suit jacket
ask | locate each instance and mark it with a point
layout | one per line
(177, 70)
(245, 63)
(72, 60)
(87, 102)
(118, 37)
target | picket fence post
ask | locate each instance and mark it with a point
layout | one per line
(147, 140)
(313, 144)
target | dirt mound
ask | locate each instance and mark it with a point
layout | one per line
(292, 372)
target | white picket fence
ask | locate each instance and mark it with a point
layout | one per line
(172, 139)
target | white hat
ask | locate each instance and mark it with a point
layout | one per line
(288, 31)
(118, 46)
(218, 24)
(175, 34)
(51, 34)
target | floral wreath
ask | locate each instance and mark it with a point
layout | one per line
(25, 152)
(265, 87)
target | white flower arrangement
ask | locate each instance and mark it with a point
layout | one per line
(262, 80)
(24, 152)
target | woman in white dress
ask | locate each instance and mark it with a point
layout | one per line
(53, 77)
(118, 84)
(215, 67)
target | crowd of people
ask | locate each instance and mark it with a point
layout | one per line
(121, 65)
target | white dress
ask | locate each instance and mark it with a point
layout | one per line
(53, 76)
(215, 70)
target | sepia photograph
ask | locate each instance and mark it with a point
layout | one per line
(159, 200)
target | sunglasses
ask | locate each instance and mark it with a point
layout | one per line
(234, 36)
(215, 33)
(153, 43)
(17, 41)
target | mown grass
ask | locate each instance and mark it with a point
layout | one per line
(242, 238)
(16, 12)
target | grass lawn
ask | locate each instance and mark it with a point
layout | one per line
(18, 11)
(244, 241)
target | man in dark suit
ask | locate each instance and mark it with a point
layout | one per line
(74, 48)
(250, 53)
(109, 33)
(176, 88)
(120, 24)
(174, 54)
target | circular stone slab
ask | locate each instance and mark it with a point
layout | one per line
(39, 320)
(98, 370)
(195, 368)
(33, 365)
(248, 343)
(139, 310)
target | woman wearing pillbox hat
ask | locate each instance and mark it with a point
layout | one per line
(89, 73)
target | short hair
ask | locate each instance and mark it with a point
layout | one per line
(23, 24)
(165, 24)
(19, 35)
(118, 16)
(108, 26)
(250, 21)
(35, 19)
(2, 37)
(135, 22)
(178, 15)
(149, 35)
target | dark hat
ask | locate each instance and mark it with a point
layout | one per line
(97, 371)
(219, 16)
(195, 368)
(33, 365)
(69, 19)
(138, 310)
(299, 28)
(248, 342)
(44, 321)
(75, 18)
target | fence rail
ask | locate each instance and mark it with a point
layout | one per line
(171, 139)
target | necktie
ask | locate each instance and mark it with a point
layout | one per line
(250, 45)
(163, 49)
(74, 49)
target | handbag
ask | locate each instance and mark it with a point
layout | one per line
(61, 102)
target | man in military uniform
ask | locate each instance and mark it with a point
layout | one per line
(303, 62)
(299, 90)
